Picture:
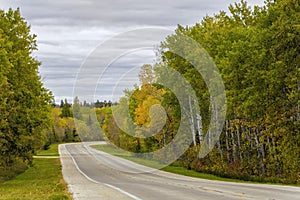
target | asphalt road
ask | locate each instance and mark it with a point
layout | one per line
(121, 177)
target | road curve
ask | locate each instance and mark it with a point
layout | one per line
(93, 174)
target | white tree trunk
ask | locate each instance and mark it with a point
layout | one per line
(226, 139)
(199, 127)
(239, 143)
(192, 123)
(233, 146)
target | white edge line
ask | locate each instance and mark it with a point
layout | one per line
(97, 182)
(122, 191)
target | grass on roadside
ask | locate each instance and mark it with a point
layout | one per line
(127, 155)
(52, 151)
(150, 163)
(42, 181)
(173, 169)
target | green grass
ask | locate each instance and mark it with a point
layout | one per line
(112, 150)
(52, 151)
(127, 155)
(150, 163)
(192, 173)
(42, 181)
(173, 169)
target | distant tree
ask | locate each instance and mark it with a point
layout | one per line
(76, 109)
(66, 110)
(61, 104)
(147, 74)
(98, 104)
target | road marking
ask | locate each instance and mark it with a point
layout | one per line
(122, 191)
(97, 182)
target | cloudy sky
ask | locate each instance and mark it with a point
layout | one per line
(71, 33)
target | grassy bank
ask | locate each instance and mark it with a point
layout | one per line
(42, 181)
(51, 151)
(150, 163)
(173, 169)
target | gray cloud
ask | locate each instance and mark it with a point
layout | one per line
(68, 31)
(112, 12)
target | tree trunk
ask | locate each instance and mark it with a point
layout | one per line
(199, 127)
(192, 123)
(227, 143)
(239, 143)
(260, 152)
(217, 130)
(233, 147)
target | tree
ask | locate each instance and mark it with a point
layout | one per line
(61, 104)
(76, 109)
(24, 104)
(66, 110)
(147, 74)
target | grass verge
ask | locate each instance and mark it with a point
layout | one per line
(51, 151)
(42, 181)
(150, 163)
(126, 155)
(173, 169)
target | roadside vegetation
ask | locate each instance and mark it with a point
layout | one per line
(52, 150)
(257, 53)
(41, 181)
(29, 118)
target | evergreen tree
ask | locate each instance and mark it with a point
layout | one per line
(66, 110)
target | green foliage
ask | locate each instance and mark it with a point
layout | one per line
(8, 172)
(66, 109)
(257, 52)
(24, 102)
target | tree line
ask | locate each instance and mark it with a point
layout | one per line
(257, 53)
(97, 104)
(73, 122)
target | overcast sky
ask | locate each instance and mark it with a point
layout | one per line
(70, 30)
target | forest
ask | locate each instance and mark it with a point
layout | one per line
(257, 53)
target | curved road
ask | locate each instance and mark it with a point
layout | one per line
(93, 174)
